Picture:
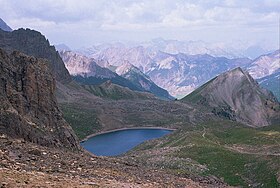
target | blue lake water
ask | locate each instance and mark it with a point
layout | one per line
(119, 142)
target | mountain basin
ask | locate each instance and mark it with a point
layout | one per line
(117, 142)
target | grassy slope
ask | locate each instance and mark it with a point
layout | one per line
(83, 121)
(116, 92)
(220, 151)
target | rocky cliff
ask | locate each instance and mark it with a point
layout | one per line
(237, 96)
(34, 43)
(28, 107)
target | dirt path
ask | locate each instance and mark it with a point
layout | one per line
(204, 132)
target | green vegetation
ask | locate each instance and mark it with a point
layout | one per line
(83, 121)
(241, 156)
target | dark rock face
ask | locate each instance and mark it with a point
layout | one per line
(28, 107)
(237, 96)
(35, 44)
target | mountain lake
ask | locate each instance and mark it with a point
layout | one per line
(120, 141)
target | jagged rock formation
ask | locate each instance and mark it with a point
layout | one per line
(137, 77)
(4, 26)
(28, 107)
(264, 65)
(81, 65)
(87, 71)
(34, 43)
(237, 96)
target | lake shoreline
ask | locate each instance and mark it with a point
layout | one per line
(122, 129)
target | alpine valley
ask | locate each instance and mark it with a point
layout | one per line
(226, 124)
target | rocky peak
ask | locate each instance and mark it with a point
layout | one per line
(237, 96)
(35, 44)
(78, 64)
(265, 65)
(127, 67)
(28, 107)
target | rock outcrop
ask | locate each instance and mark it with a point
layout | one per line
(35, 44)
(237, 96)
(28, 107)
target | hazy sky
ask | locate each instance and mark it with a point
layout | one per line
(84, 22)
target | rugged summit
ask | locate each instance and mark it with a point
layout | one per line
(265, 65)
(140, 79)
(78, 64)
(35, 44)
(88, 71)
(28, 107)
(237, 96)
(4, 26)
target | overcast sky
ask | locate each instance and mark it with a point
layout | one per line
(85, 22)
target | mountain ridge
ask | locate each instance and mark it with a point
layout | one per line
(137, 77)
(87, 71)
(179, 73)
(33, 43)
(237, 96)
(264, 65)
(271, 83)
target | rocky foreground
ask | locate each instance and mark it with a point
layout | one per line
(24, 164)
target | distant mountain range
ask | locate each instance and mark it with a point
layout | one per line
(178, 73)
(236, 50)
(264, 65)
(87, 71)
(140, 79)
